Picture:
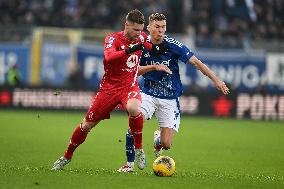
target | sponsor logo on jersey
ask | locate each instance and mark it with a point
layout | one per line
(164, 62)
(132, 61)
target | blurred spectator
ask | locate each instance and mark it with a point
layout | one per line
(14, 76)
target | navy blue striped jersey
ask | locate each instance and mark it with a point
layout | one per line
(160, 84)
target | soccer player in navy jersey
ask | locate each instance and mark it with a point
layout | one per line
(161, 91)
(122, 53)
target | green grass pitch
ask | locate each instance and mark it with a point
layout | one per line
(209, 153)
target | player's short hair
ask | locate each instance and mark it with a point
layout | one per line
(135, 16)
(157, 17)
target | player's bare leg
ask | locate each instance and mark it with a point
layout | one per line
(136, 126)
(78, 137)
(162, 140)
(166, 137)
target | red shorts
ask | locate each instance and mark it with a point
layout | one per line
(104, 103)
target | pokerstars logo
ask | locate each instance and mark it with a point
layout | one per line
(132, 61)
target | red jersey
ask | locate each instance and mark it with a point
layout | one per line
(120, 68)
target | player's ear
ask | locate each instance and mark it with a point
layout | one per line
(127, 24)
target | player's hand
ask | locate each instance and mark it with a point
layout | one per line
(134, 48)
(160, 49)
(163, 68)
(221, 86)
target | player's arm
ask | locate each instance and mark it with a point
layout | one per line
(220, 85)
(111, 53)
(158, 67)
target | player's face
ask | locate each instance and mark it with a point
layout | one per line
(133, 30)
(157, 30)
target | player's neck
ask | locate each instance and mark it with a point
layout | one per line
(157, 41)
(125, 34)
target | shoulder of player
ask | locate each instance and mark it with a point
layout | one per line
(113, 39)
(114, 35)
(172, 41)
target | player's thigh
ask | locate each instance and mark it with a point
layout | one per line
(148, 106)
(101, 107)
(168, 113)
(131, 101)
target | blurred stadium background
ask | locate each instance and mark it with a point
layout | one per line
(51, 59)
(53, 46)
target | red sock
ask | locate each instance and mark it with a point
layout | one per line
(136, 127)
(78, 137)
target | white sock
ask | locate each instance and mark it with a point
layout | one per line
(130, 164)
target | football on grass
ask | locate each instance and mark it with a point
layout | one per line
(164, 166)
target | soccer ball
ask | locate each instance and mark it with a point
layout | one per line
(164, 166)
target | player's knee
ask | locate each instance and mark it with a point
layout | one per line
(133, 107)
(87, 126)
(134, 111)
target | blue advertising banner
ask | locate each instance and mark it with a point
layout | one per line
(17, 56)
(242, 72)
(90, 60)
(54, 64)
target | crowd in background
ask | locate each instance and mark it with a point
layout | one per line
(236, 20)
(219, 23)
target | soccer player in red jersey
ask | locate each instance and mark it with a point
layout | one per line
(122, 53)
